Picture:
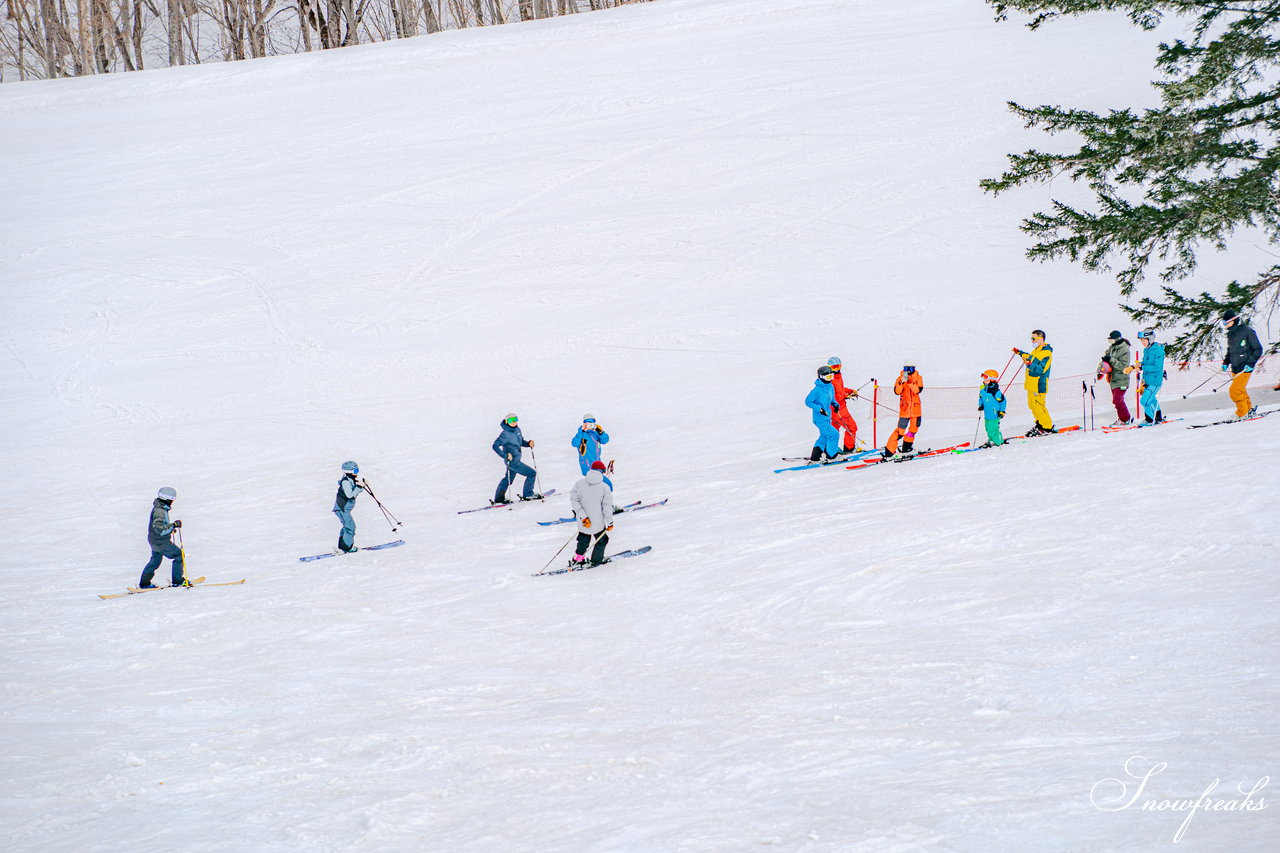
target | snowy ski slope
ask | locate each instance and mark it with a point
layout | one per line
(229, 279)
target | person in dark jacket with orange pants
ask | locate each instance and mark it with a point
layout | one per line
(841, 417)
(908, 386)
(1243, 351)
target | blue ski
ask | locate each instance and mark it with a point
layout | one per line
(632, 507)
(850, 458)
(548, 493)
(367, 548)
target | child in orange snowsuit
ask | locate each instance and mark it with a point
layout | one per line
(908, 387)
(842, 418)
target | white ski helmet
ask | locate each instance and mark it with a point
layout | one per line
(167, 494)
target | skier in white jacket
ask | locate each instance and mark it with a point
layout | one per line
(592, 502)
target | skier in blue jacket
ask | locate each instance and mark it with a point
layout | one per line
(507, 445)
(992, 402)
(1152, 376)
(349, 488)
(822, 400)
(159, 531)
(587, 441)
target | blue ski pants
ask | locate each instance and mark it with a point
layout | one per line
(347, 538)
(1150, 405)
(516, 469)
(157, 554)
(828, 436)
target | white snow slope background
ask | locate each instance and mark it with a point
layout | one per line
(230, 279)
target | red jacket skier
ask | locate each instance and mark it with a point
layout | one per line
(842, 418)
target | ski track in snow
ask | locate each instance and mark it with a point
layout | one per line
(668, 215)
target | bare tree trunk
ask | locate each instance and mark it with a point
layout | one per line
(333, 34)
(479, 12)
(304, 23)
(136, 33)
(175, 33)
(496, 13)
(51, 64)
(432, 16)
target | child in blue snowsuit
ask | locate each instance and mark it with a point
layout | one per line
(822, 400)
(1152, 376)
(507, 445)
(349, 489)
(587, 441)
(992, 402)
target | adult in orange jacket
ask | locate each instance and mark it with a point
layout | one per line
(842, 418)
(907, 386)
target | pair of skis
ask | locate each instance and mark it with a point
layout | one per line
(1111, 429)
(548, 493)
(1256, 416)
(190, 584)
(923, 454)
(621, 555)
(839, 459)
(394, 544)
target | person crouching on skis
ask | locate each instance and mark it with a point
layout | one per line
(822, 401)
(842, 418)
(991, 402)
(592, 503)
(907, 386)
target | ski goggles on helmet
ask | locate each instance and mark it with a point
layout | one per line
(513, 420)
(589, 421)
(907, 368)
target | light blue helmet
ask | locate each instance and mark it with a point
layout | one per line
(350, 468)
(167, 494)
(833, 361)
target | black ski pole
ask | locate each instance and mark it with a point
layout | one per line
(537, 478)
(572, 536)
(1083, 420)
(1212, 376)
(1093, 423)
(386, 513)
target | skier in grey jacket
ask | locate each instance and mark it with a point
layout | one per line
(592, 502)
(159, 531)
(349, 489)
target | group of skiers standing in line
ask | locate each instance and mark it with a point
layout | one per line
(592, 496)
(828, 401)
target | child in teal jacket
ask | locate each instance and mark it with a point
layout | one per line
(992, 402)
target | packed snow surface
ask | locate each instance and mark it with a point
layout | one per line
(230, 279)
